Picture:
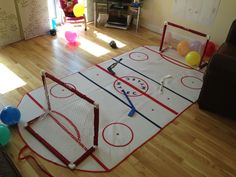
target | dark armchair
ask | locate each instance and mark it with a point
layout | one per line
(7, 167)
(218, 93)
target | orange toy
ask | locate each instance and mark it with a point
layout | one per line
(183, 48)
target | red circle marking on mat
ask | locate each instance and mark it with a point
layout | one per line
(174, 61)
(138, 56)
(54, 91)
(133, 80)
(124, 128)
(185, 83)
(70, 122)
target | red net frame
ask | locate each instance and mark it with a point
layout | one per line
(87, 151)
(166, 24)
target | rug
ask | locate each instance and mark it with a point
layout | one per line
(159, 87)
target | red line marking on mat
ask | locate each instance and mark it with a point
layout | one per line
(68, 120)
(172, 60)
(67, 131)
(48, 146)
(92, 155)
(194, 88)
(118, 145)
(36, 102)
(143, 59)
(67, 96)
(150, 97)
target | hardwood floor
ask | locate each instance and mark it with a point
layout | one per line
(197, 144)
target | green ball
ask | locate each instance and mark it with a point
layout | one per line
(5, 135)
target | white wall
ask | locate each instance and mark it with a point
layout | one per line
(155, 12)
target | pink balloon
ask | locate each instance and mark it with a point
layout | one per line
(168, 37)
(196, 46)
(70, 36)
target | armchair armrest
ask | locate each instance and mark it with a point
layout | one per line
(7, 167)
(231, 38)
(222, 63)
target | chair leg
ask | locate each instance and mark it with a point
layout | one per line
(85, 23)
(64, 20)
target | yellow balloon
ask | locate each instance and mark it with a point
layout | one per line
(193, 58)
(78, 10)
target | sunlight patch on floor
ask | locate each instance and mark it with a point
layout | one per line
(92, 47)
(108, 39)
(9, 80)
(85, 44)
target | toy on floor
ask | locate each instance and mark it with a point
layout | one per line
(5, 135)
(113, 66)
(71, 37)
(113, 44)
(193, 58)
(77, 146)
(10, 115)
(119, 135)
(183, 48)
(53, 32)
(162, 83)
(136, 4)
(133, 109)
(196, 46)
(178, 41)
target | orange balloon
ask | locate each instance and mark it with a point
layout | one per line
(183, 48)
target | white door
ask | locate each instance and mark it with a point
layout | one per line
(34, 17)
(9, 25)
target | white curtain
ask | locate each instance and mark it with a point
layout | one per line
(89, 10)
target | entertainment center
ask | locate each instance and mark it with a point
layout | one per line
(120, 13)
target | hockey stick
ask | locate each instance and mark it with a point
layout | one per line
(133, 109)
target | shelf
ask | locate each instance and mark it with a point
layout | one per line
(115, 26)
(118, 9)
(118, 21)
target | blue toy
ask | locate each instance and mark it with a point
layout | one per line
(136, 4)
(10, 115)
(133, 109)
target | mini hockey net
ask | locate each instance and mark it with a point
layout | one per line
(173, 34)
(68, 128)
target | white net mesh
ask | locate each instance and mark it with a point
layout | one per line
(69, 126)
(179, 42)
